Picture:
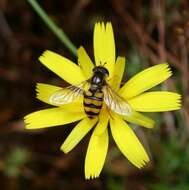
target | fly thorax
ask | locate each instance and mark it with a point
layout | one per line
(96, 80)
(94, 88)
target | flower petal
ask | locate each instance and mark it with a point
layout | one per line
(118, 73)
(156, 102)
(55, 116)
(78, 132)
(140, 119)
(85, 62)
(103, 121)
(63, 67)
(104, 46)
(145, 80)
(128, 143)
(44, 91)
(96, 154)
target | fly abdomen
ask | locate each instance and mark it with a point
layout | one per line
(93, 103)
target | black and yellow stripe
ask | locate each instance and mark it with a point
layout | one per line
(93, 103)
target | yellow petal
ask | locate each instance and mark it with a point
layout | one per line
(118, 73)
(156, 102)
(96, 154)
(85, 62)
(145, 80)
(79, 131)
(44, 91)
(103, 121)
(140, 119)
(104, 46)
(63, 67)
(128, 143)
(55, 116)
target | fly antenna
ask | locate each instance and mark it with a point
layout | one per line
(104, 64)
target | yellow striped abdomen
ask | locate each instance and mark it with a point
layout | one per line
(92, 103)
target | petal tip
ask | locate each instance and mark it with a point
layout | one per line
(142, 163)
(80, 49)
(91, 176)
(27, 123)
(165, 68)
(46, 55)
(63, 149)
(43, 55)
(37, 87)
(109, 26)
(152, 124)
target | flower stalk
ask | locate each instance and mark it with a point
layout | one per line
(59, 33)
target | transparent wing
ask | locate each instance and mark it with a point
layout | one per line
(67, 95)
(115, 102)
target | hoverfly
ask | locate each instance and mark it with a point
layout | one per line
(98, 91)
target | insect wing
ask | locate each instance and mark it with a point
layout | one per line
(66, 95)
(115, 102)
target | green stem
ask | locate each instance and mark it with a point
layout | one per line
(53, 27)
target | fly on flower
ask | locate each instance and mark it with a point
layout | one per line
(96, 99)
(98, 91)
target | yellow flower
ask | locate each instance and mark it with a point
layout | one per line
(133, 91)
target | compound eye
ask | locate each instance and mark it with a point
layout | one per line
(95, 69)
(106, 72)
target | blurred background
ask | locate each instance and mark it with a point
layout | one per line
(147, 33)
